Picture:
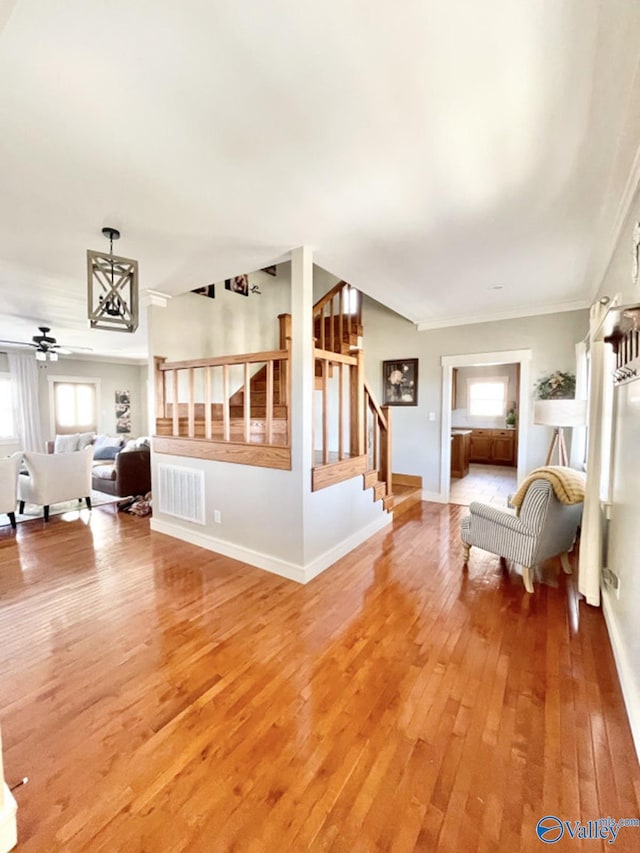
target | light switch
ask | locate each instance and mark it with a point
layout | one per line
(432, 416)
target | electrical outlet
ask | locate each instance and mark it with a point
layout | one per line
(432, 416)
(217, 516)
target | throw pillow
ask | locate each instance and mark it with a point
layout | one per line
(85, 439)
(66, 443)
(106, 452)
(108, 441)
(130, 445)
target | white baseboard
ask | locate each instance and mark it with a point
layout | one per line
(626, 670)
(291, 571)
(315, 567)
(8, 824)
(434, 497)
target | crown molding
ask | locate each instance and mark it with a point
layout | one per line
(155, 297)
(496, 316)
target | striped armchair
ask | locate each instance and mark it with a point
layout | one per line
(545, 527)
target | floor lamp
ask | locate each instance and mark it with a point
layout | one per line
(560, 414)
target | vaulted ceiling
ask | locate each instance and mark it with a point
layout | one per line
(454, 160)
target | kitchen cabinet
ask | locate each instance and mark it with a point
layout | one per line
(493, 446)
(460, 444)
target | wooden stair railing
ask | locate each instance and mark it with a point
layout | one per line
(337, 319)
(354, 432)
(377, 433)
(249, 426)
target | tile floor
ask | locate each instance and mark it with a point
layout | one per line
(490, 484)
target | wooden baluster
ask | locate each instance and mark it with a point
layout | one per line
(376, 448)
(385, 450)
(357, 421)
(341, 316)
(285, 364)
(341, 368)
(160, 387)
(322, 328)
(325, 412)
(332, 336)
(226, 425)
(247, 403)
(176, 422)
(269, 425)
(207, 403)
(191, 415)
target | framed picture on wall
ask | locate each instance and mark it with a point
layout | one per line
(123, 412)
(239, 284)
(400, 382)
(209, 290)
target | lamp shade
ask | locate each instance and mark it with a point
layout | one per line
(560, 413)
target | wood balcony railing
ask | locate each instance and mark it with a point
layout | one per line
(201, 412)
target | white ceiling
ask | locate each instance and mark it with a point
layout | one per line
(427, 151)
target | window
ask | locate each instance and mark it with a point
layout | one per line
(74, 405)
(7, 426)
(487, 396)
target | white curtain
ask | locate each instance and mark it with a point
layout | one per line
(590, 560)
(25, 384)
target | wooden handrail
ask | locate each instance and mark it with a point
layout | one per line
(220, 361)
(336, 357)
(329, 296)
(376, 408)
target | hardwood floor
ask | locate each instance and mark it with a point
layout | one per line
(164, 698)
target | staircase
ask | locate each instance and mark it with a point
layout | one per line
(355, 432)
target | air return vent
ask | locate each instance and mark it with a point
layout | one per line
(181, 492)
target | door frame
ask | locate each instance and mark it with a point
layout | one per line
(448, 362)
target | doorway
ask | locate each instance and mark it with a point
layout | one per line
(488, 480)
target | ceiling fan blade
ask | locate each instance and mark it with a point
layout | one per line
(17, 343)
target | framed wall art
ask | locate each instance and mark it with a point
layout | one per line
(239, 284)
(400, 382)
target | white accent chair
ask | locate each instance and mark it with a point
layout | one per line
(56, 477)
(9, 470)
(544, 528)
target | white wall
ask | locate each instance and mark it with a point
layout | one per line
(416, 438)
(113, 376)
(268, 518)
(623, 612)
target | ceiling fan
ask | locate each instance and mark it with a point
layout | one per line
(46, 346)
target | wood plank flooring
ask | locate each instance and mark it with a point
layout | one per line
(163, 698)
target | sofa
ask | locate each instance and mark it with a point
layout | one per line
(121, 467)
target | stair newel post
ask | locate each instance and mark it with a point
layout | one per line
(176, 412)
(283, 373)
(357, 419)
(160, 389)
(385, 449)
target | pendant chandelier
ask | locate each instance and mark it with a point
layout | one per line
(112, 295)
